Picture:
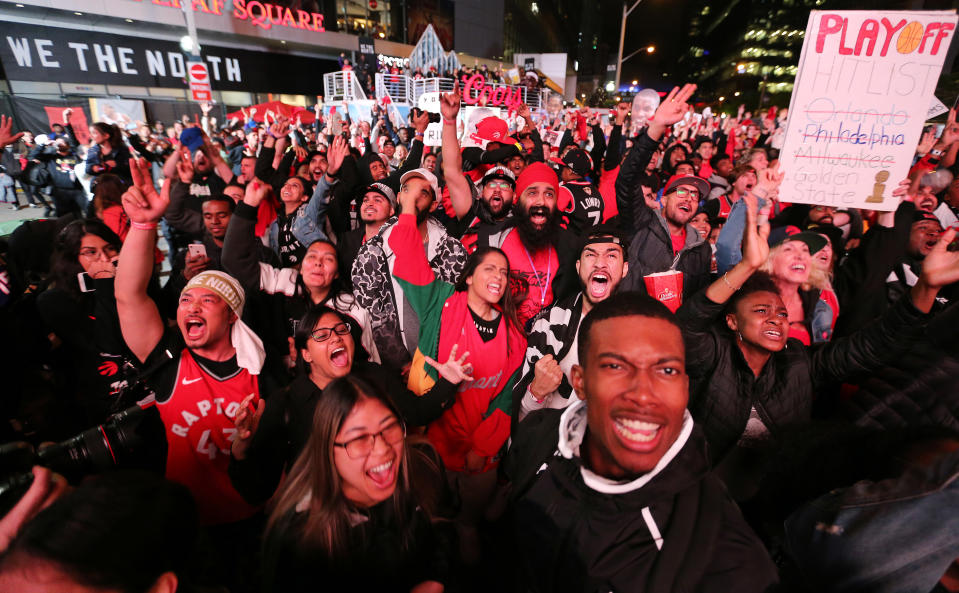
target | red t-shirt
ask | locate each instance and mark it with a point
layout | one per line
(531, 276)
(679, 241)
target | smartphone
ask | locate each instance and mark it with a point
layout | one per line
(195, 249)
(86, 283)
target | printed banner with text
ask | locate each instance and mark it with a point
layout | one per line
(862, 92)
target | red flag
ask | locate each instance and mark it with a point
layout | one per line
(78, 120)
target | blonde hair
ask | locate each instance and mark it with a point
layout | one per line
(818, 278)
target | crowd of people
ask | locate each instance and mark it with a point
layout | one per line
(365, 71)
(567, 351)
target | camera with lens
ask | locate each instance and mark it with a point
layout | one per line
(434, 118)
(133, 438)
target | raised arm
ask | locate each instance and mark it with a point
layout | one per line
(239, 256)
(697, 316)
(879, 343)
(169, 166)
(415, 157)
(411, 268)
(220, 166)
(633, 212)
(599, 149)
(319, 201)
(178, 188)
(140, 320)
(728, 245)
(70, 134)
(460, 195)
(614, 148)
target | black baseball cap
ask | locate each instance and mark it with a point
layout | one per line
(578, 161)
(604, 233)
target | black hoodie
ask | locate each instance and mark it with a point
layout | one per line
(673, 529)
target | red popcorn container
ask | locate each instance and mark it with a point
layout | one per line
(666, 287)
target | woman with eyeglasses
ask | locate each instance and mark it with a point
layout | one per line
(475, 317)
(287, 293)
(270, 437)
(361, 508)
(79, 312)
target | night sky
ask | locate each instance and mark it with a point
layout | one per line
(660, 23)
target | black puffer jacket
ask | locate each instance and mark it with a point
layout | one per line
(672, 529)
(918, 388)
(861, 279)
(650, 246)
(723, 388)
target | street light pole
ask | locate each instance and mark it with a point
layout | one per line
(191, 29)
(622, 39)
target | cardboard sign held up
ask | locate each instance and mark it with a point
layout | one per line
(859, 102)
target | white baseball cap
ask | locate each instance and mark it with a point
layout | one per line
(425, 174)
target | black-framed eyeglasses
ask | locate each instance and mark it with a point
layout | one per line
(322, 334)
(362, 446)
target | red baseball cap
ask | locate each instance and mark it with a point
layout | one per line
(698, 182)
(494, 129)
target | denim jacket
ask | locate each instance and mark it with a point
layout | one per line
(308, 221)
(729, 243)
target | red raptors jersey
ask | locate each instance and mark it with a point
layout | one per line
(198, 418)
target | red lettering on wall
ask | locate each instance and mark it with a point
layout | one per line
(259, 14)
(488, 94)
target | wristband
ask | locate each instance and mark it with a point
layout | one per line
(144, 226)
(936, 153)
(449, 122)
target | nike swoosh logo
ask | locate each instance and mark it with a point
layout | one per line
(188, 381)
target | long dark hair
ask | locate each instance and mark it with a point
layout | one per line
(507, 301)
(111, 132)
(338, 287)
(314, 478)
(107, 191)
(65, 261)
(118, 530)
(304, 330)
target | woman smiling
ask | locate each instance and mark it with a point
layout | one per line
(359, 509)
(270, 437)
(477, 318)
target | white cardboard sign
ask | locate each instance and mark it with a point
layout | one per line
(429, 102)
(859, 103)
(936, 108)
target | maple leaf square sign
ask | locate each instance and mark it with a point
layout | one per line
(862, 92)
(200, 89)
